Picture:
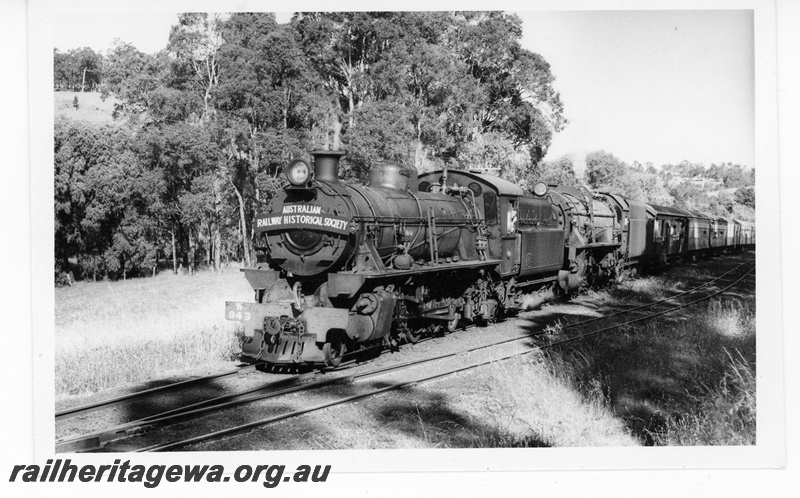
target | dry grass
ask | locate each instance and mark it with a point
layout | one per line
(686, 379)
(535, 300)
(645, 289)
(110, 334)
(723, 410)
(91, 107)
(537, 399)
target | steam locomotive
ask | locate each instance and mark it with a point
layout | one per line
(343, 267)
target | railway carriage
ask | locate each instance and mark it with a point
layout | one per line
(719, 230)
(699, 234)
(746, 236)
(676, 232)
(641, 223)
(730, 233)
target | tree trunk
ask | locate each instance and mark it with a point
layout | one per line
(174, 254)
(83, 82)
(419, 153)
(352, 108)
(217, 248)
(243, 225)
(286, 102)
(192, 247)
(216, 238)
(207, 245)
(336, 126)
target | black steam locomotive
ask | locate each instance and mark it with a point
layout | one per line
(342, 267)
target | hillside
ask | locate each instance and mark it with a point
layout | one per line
(91, 108)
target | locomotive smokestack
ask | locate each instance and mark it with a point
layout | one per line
(326, 164)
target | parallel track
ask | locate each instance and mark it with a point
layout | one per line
(100, 438)
(100, 405)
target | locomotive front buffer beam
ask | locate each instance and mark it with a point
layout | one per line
(281, 333)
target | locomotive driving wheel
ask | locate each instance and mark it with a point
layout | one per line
(452, 325)
(413, 335)
(333, 353)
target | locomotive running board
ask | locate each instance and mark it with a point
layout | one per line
(344, 284)
(459, 265)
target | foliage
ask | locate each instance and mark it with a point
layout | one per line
(560, 171)
(686, 185)
(746, 196)
(78, 70)
(101, 202)
(603, 168)
(606, 172)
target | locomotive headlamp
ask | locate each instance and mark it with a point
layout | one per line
(540, 189)
(298, 172)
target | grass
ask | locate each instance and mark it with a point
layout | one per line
(540, 399)
(686, 379)
(110, 334)
(91, 107)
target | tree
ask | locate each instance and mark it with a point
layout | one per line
(519, 98)
(746, 196)
(78, 69)
(688, 196)
(102, 201)
(263, 95)
(722, 204)
(183, 158)
(560, 171)
(195, 42)
(602, 168)
(458, 76)
(137, 78)
(642, 186)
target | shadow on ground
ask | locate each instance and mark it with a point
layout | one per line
(656, 371)
(429, 417)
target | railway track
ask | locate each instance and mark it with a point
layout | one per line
(76, 411)
(576, 331)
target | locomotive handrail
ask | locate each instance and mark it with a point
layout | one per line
(391, 220)
(419, 207)
(366, 199)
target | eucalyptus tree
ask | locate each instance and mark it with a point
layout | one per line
(264, 101)
(517, 96)
(78, 69)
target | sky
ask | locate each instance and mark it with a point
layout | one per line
(647, 86)
(651, 86)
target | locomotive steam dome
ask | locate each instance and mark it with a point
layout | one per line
(394, 176)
